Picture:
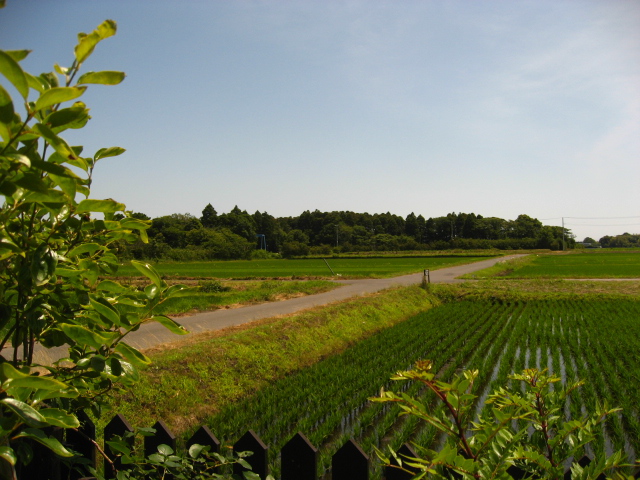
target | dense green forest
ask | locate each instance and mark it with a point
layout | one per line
(238, 234)
(626, 240)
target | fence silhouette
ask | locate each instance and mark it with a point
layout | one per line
(299, 458)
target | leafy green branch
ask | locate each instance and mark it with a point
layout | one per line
(56, 246)
(526, 431)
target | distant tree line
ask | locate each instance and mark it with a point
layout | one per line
(240, 235)
(626, 240)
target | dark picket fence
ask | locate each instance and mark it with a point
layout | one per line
(299, 458)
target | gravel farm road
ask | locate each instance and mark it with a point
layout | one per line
(154, 334)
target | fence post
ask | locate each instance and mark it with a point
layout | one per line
(250, 442)
(350, 463)
(206, 438)
(299, 459)
(118, 426)
(163, 436)
(80, 440)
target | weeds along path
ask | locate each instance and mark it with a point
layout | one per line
(153, 334)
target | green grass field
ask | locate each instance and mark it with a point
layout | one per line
(375, 267)
(597, 264)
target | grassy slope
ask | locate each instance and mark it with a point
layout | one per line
(190, 381)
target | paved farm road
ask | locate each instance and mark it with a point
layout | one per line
(153, 334)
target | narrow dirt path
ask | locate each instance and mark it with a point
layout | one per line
(154, 334)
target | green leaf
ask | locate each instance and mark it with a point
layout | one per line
(105, 309)
(90, 248)
(134, 356)
(463, 386)
(84, 336)
(57, 95)
(13, 72)
(36, 82)
(104, 206)
(87, 43)
(75, 116)
(56, 169)
(102, 78)
(50, 196)
(195, 450)
(56, 142)
(165, 450)
(151, 291)
(25, 412)
(108, 152)
(18, 55)
(14, 377)
(5, 132)
(36, 383)
(67, 272)
(50, 442)
(7, 244)
(32, 181)
(175, 290)
(148, 271)
(66, 184)
(134, 223)
(170, 324)
(43, 265)
(59, 418)
(60, 70)
(7, 452)
(111, 286)
(106, 29)
(6, 106)
(131, 301)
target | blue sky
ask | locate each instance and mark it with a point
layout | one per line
(493, 107)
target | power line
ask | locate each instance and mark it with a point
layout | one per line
(602, 218)
(603, 225)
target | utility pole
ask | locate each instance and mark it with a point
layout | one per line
(563, 242)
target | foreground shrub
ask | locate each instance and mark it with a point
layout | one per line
(522, 433)
(56, 243)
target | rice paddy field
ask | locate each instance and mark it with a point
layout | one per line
(594, 264)
(531, 317)
(595, 339)
(362, 267)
